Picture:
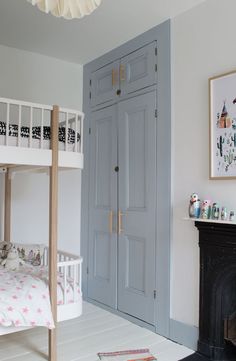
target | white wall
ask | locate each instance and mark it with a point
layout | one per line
(203, 46)
(40, 79)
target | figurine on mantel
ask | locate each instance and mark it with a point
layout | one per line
(215, 212)
(194, 206)
(206, 209)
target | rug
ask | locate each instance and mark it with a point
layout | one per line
(127, 355)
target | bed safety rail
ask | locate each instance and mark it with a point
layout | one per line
(27, 125)
(70, 268)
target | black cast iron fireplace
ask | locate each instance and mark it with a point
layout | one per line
(217, 319)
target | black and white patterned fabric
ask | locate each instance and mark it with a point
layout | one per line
(36, 132)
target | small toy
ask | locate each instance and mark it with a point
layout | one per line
(13, 261)
(223, 213)
(231, 216)
(194, 206)
(4, 249)
(206, 209)
(215, 211)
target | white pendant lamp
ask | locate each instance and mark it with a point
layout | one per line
(68, 9)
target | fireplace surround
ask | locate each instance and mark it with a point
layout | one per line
(217, 318)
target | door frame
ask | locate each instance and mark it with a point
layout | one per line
(161, 34)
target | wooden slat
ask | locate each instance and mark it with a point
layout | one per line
(53, 205)
(7, 208)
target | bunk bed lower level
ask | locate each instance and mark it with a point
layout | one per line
(69, 292)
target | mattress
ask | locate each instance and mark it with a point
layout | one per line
(24, 296)
(13, 134)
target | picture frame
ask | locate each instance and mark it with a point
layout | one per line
(222, 127)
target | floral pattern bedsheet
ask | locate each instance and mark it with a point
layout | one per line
(24, 299)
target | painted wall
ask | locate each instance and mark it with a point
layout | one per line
(40, 79)
(203, 45)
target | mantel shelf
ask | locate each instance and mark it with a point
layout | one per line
(209, 220)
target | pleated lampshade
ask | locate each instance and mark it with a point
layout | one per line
(68, 9)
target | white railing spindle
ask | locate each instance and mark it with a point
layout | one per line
(66, 133)
(65, 285)
(31, 127)
(74, 283)
(19, 126)
(7, 123)
(76, 131)
(41, 130)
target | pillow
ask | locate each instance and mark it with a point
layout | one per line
(30, 253)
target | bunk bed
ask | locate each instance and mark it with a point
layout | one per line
(35, 137)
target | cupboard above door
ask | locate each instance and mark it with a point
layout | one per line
(128, 74)
(104, 84)
(138, 70)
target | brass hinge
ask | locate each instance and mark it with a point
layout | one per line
(154, 294)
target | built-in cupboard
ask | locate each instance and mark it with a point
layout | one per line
(122, 182)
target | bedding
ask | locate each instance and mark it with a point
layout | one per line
(36, 132)
(24, 296)
(24, 300)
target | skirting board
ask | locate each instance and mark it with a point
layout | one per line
(184, 334)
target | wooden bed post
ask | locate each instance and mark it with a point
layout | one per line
(7, 207)
(53, 211)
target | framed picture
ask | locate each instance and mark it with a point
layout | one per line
(222, 92)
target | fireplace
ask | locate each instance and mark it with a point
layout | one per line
(217, 319)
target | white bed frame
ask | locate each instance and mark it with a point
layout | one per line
(39, 156)
(31, 155)
(68, 265)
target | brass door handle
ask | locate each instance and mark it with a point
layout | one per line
(113, 77)
(122, 72)
(120, 215)
(111, 222)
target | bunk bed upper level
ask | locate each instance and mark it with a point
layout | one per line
(25, 135)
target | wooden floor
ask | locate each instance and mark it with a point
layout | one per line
(80, 339)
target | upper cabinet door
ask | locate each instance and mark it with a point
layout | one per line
(138, 69)
(104, 84)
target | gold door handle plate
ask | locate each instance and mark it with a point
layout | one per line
(113, 77)
(122, 72)
(120, 215)
(111, 222)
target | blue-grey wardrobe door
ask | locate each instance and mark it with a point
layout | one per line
(137, 202)
(102, 277)
(104, 83)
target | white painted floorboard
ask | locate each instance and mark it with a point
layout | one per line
(81, 339)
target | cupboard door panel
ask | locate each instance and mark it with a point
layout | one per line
(137, 194)
(102, 285)
(104, 83)
(138, 69)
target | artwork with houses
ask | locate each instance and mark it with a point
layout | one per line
(223, 125)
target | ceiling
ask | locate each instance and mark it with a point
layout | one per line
(23, 26)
